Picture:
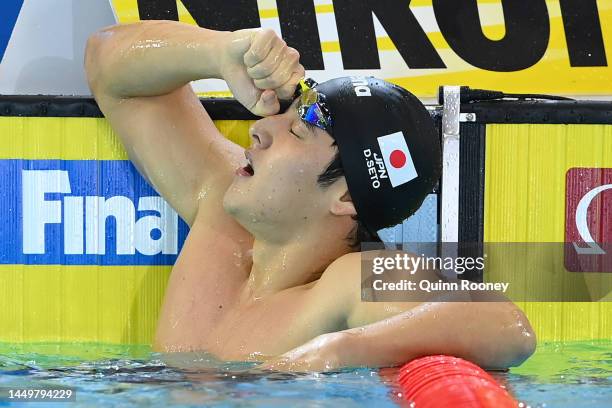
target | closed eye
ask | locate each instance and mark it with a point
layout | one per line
(295, 134)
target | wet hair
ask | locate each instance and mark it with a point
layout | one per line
(359, 233)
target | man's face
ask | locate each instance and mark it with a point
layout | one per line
(279, 190)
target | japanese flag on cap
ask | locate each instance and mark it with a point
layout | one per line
(397, 158)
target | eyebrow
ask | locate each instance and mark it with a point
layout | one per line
(310, 126)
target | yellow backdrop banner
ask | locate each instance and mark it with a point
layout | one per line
(520, 46)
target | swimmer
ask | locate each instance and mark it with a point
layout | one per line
(270, 269)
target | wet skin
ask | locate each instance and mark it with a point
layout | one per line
(265, 269)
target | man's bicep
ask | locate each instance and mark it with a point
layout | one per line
(174, 144)
(365, 313)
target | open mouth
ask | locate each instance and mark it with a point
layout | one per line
(248, 170)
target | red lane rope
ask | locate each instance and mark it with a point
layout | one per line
(445, 381)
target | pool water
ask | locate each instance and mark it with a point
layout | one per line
(558, 375)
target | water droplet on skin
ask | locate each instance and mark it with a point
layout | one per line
(284, 261)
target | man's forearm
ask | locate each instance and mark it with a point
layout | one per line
(151, 57)
(493, 335)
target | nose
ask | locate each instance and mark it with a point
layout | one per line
(260, 133)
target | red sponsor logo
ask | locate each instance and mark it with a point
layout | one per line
(588, 220)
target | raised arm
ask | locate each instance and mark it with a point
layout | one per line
(140, 74)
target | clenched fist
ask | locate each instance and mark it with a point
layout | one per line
(260, 69)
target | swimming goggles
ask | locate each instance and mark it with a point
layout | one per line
(311, 105)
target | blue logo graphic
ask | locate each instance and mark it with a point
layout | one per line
(84, 212)
(9, 10)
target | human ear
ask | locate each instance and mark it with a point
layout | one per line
(342, 203)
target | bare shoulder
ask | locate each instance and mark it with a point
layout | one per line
(358, 267)
(344, 279)
(351, 276)
(343, 270)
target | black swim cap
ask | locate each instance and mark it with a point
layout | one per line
(388, 144)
